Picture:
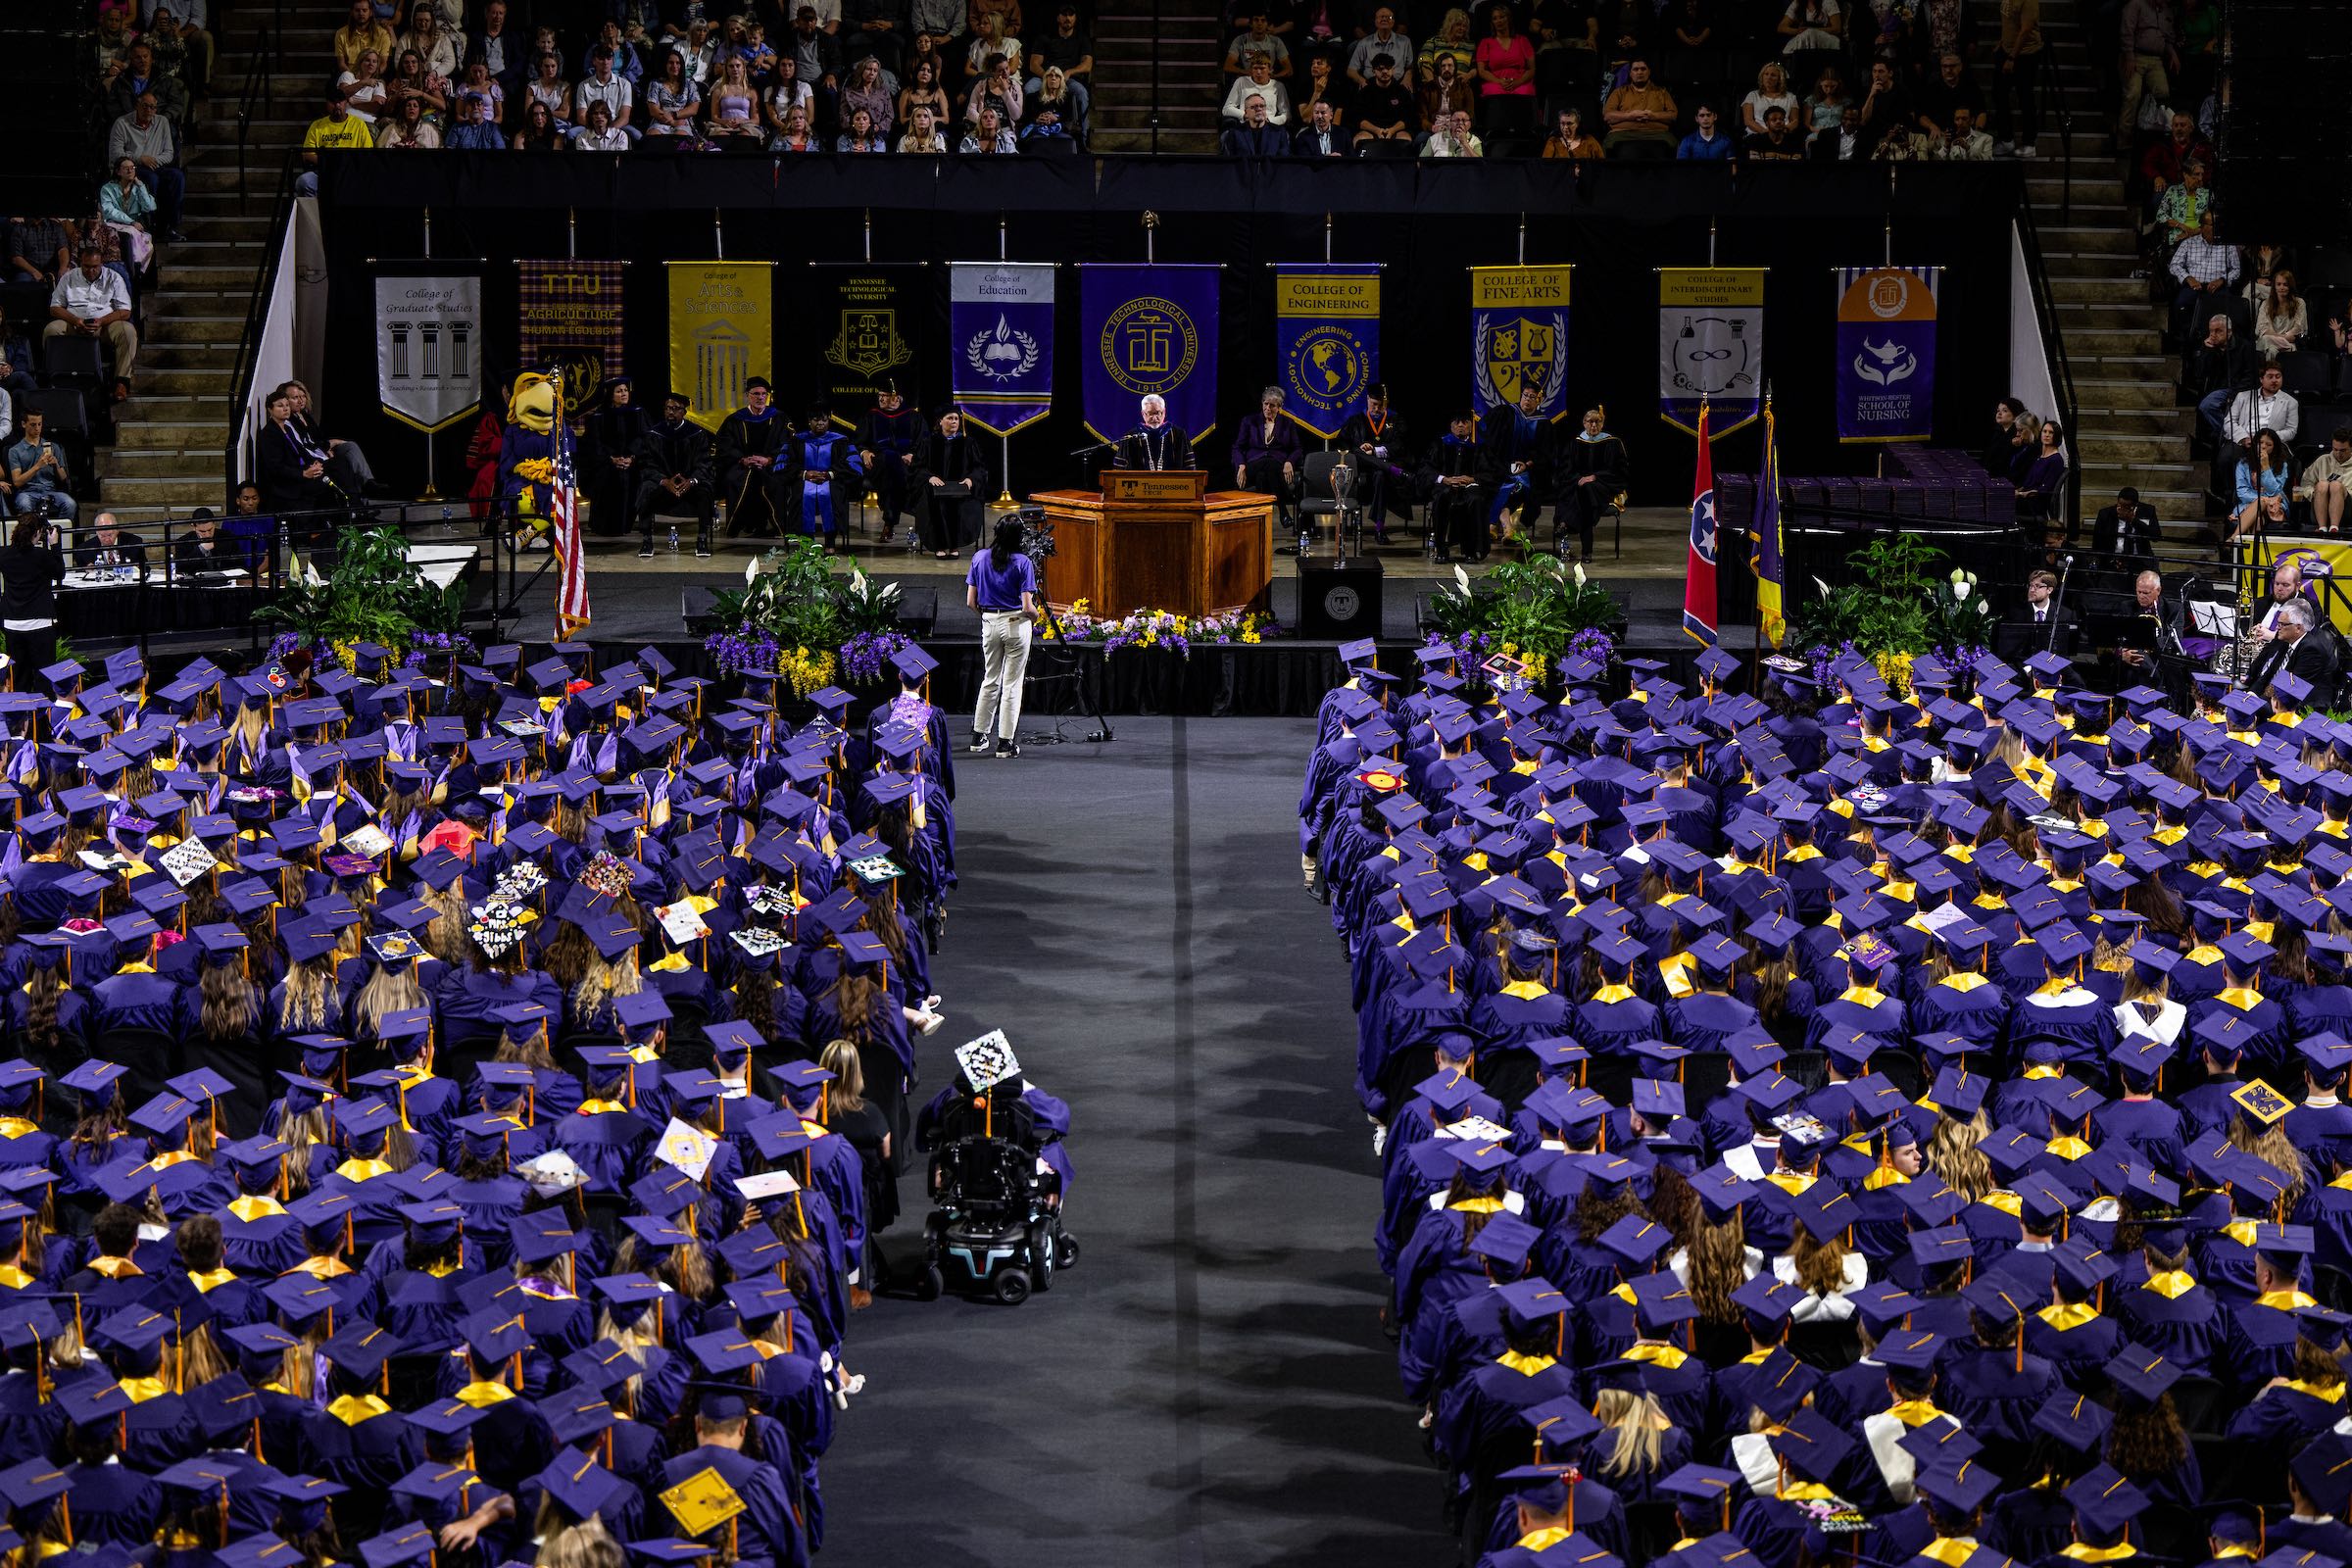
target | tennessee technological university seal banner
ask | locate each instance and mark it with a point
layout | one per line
(1518, 336)
(1887, 352)
(1710, 346)
(428, 335)
(1148, 329)
(1327, 341)
(863, 327)
(722, 332)
(1001, 340)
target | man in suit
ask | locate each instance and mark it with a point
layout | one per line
(1322, 137)
(2299, 648)
(1516, 455)
(2040, 619)
(111, 545)
(296, 476)
(1255, 137)
(2125, 531)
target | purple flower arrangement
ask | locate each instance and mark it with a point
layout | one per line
(747, 649)
(865, 657)
(1592, 643)
(438, 647)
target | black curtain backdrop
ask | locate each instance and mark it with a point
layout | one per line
(1426, 223)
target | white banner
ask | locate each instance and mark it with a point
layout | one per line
(428, 335)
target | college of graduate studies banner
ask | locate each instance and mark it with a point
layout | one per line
(1327, 341)
(864, 326)
(1887, 352)
(1518, 336)
(1000, 342)
(1148, 329)
(1710, 346)
(722, 332)
(428, 362)
(571, 314)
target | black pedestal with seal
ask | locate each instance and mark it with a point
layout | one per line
(1338, 598)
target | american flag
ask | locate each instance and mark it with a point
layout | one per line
(571, 589)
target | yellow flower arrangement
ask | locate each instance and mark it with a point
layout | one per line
(807, 669)
(1895, 669)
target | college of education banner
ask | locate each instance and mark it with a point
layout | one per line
(1327, 341)
(1518, 335)
(722, 332)
(1887, 352)
(862, 326)
(1144, 329)
(428, 361)
(1710, 346)
(570, 312)
(1000, 342)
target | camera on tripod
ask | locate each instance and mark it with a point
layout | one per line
(1037, 534)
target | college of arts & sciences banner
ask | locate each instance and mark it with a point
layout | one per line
(428, 362)
(1887, 352)
(1710, 346)
(722, 332)
(1148, 329)
(1518, 336)
(1000, 342)
(1326, 341)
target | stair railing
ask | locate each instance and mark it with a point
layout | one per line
(2053, 350)
(258, 96)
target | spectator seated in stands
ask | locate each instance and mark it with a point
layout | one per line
(1952, 87)
(141, 75)
(1259, 39)
(1826, 105)
(410, 80)
(441, 50)
(1385, 39)
(992, 37)
(2041, 490)
(1964, 142)
(37, 475)
(1706, 142)
(364, 87)
(1771, 91)
(146, 139)
(602, 86)
(1068, 47)
(799, 136)
(599, 134)
(361, 32)
(91, 301)
(2181, 211)
(1256, 137)
(734, 106)
(2267, 406)
(124, 207)
(2263, 481)
(549, 87)
(2219, 367)
(862, 136)
(336, 129)
(294, 474)
(1453, 139)
(1258, 82)
(1568, 138)
(998, 88)
(1385, 111)
(868, 89)
(408, 128)
(1777, 143)
(1887, 113)
(1641, 115)
(2323, 484)
(2203, 267)
(538, 132)
(923, 134)
(2282, 320)
(2166, 163)
(1846, 144)
(1321, 136)
(16, 361)
(1055, 109)
(472, 132)
(674, 102)
(992, 136)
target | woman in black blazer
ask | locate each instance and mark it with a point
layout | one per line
(954, 483)
(29, 567)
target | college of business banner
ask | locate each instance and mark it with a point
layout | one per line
(864, 326)
(1327, 341)
(570, 313)
(1518, 335)
(1887, 352)
(722, 332)
(428, 362)
(1710, 346)
(1145, 330)
(1000, 342)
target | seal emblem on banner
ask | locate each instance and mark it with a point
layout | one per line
(1150, 344)
(869, 343)
(1518, 352)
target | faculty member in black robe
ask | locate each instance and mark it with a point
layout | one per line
(952, 480)
(751, 464)
(614, 433)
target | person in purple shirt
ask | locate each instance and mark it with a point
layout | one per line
(1266, 453)
(1001, 586)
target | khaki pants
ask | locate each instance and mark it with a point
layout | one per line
(120, 337)
(2144, 72)
(1004, 661)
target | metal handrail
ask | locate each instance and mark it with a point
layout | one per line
(259, 90)
(257, 310)
(2053, 348)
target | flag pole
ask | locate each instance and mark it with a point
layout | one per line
(1771, 476)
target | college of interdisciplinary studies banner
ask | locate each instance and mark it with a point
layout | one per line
(1518, 336)
(722, 332)
(1000, 342)
(1326, 341)
(1710, 346)
(1147, 328)
(1887, 352)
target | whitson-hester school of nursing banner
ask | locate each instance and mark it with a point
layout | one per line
(1326, 341)
(1710, 346)
(722, 332)
(1001, 337)
(1518, 336)
(429, 336)
(1887, 352)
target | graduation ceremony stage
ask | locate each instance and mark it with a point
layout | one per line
(1210, 1385)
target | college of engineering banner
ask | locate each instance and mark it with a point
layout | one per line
(1887, 352)
(1145, 330)
(1518, 335)
(863, 325)
(1000, 342)
(1710, 346)
(428, 361)
(722, 332)
(571, 314)
(1327, 341)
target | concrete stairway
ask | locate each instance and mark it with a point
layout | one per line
(2127, 432)
(169, 438)
(1187, 41)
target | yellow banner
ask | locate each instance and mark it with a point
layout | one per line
(1501, 287)
(1326, 294)
(722, 332)
(2330, 557)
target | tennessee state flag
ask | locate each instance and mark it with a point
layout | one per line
(1698, 588)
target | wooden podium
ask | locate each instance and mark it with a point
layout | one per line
(1159, 541)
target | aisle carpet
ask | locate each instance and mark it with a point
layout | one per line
(1210, 1385)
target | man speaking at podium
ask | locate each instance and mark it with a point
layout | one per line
(1154, 444)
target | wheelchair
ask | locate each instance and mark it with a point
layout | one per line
(992, 1231)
